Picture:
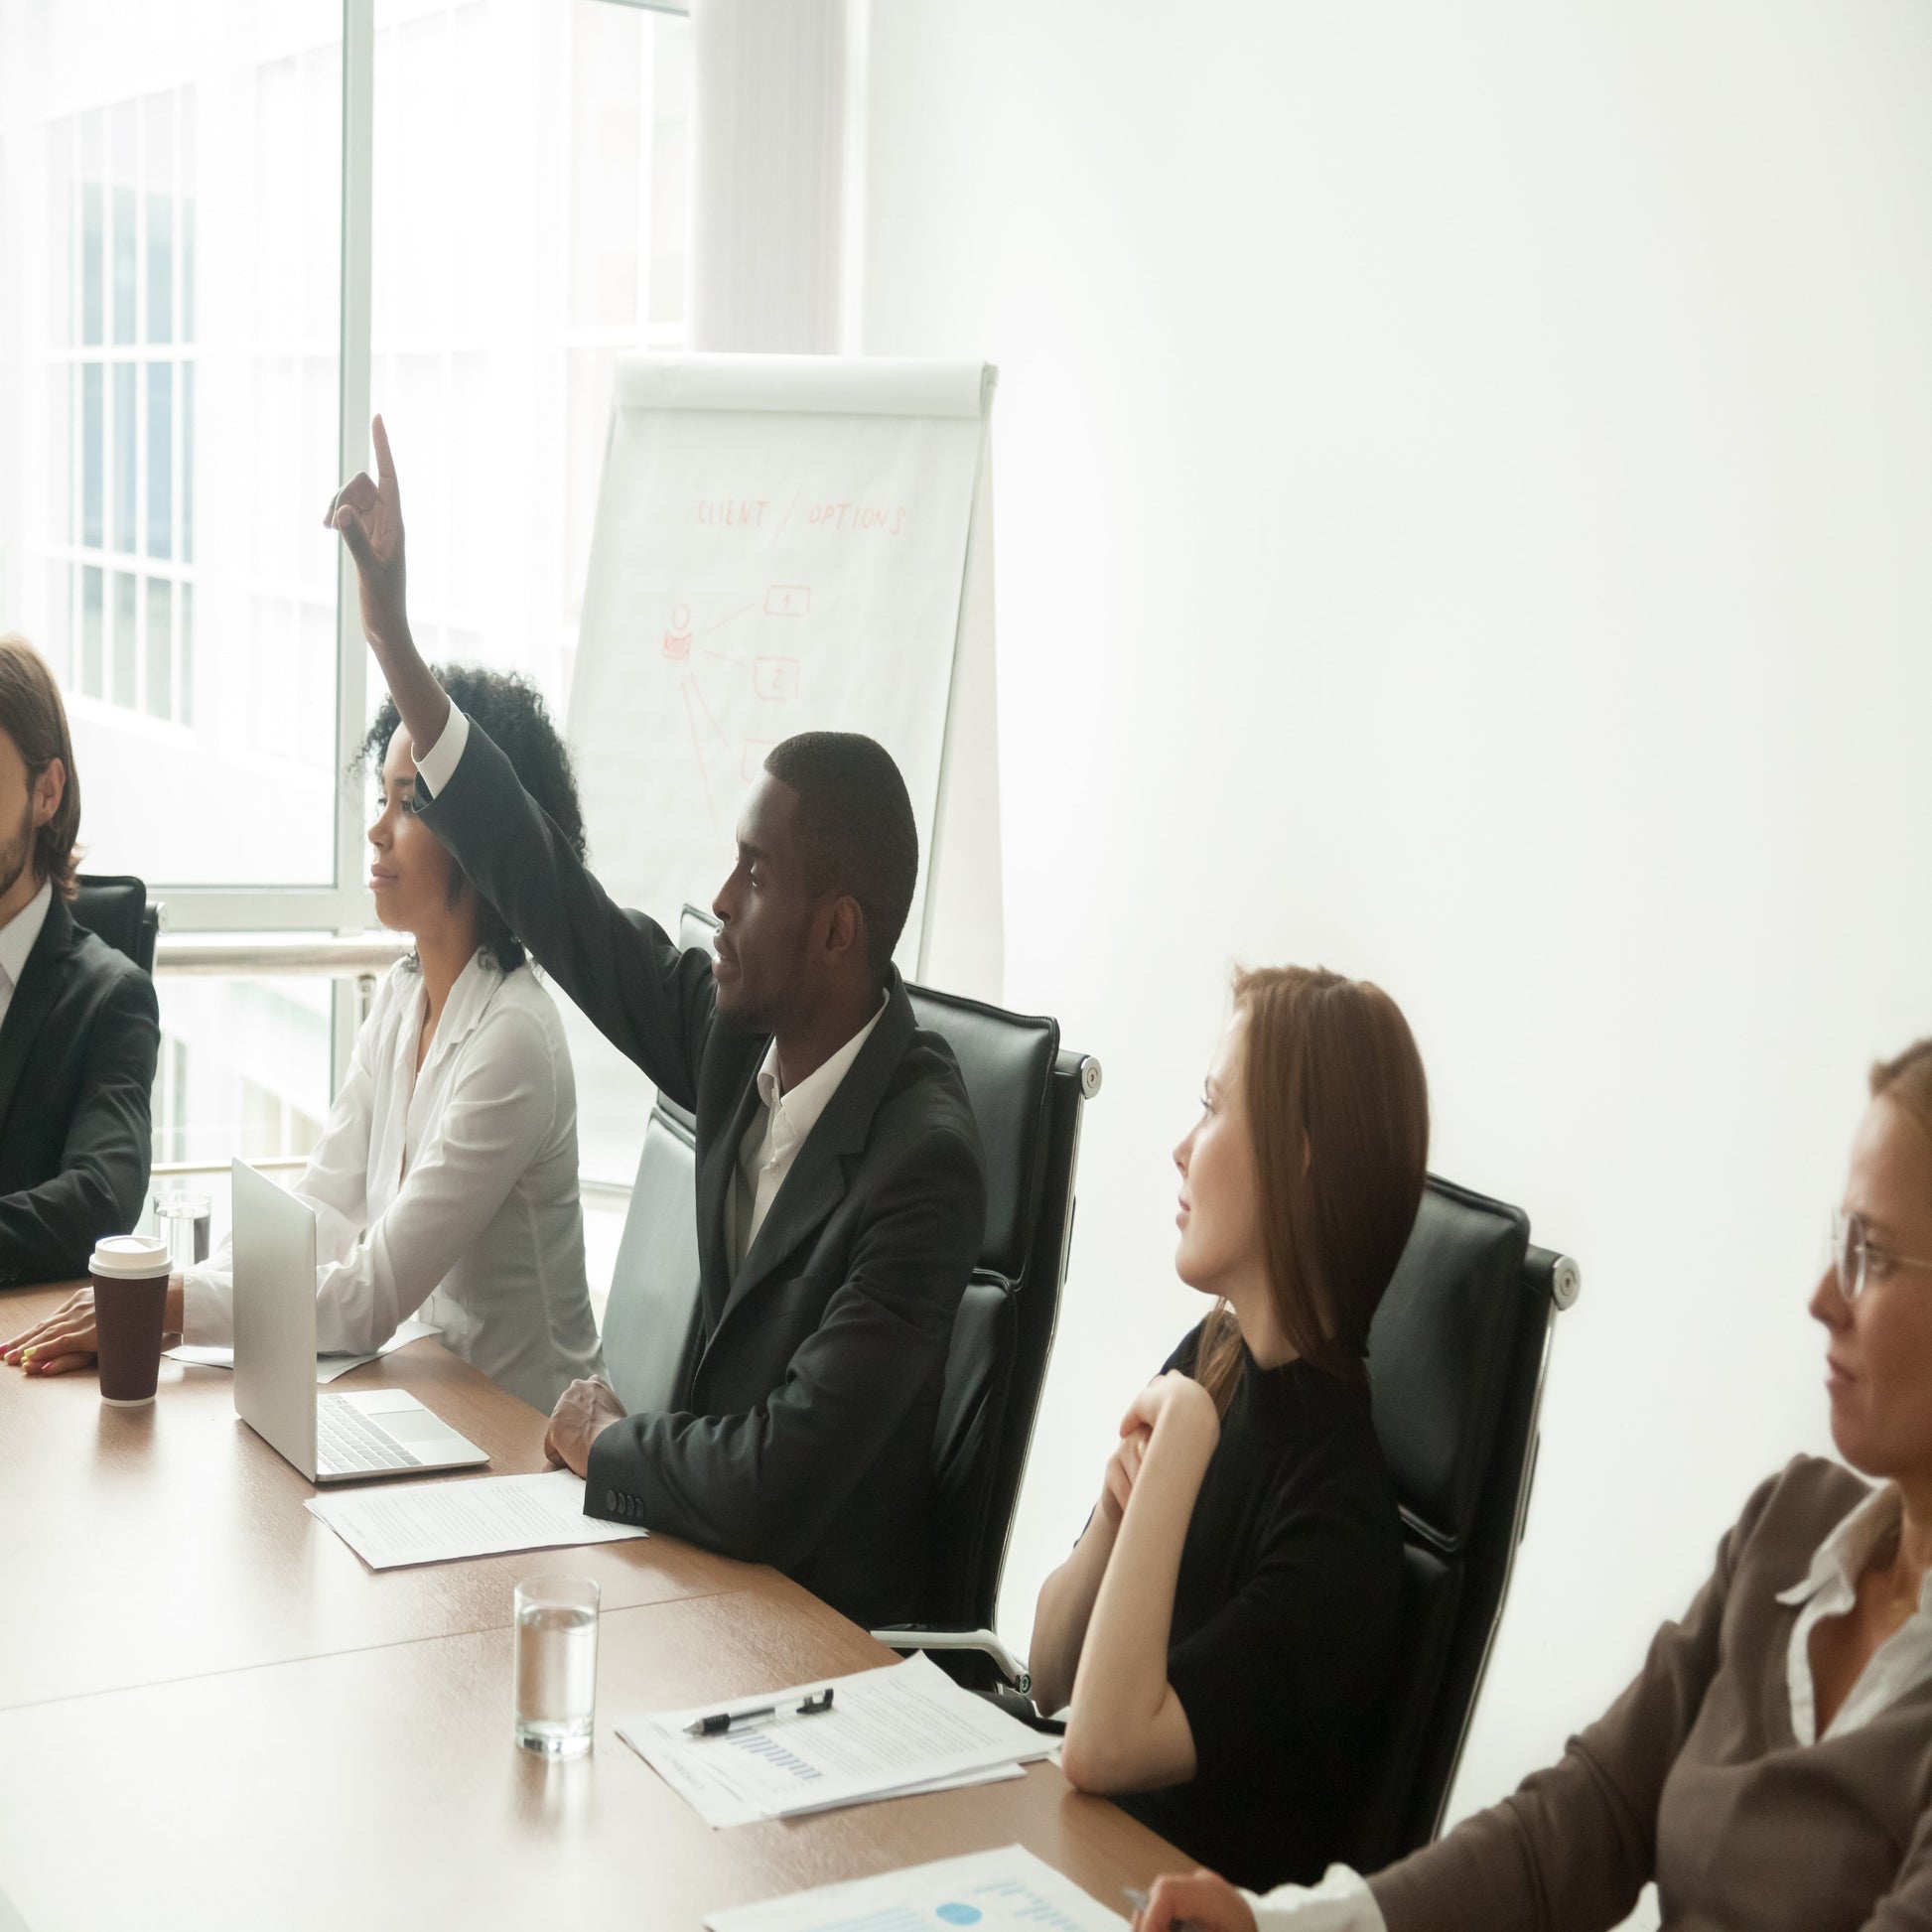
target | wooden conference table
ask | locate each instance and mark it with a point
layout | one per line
(213, 1715)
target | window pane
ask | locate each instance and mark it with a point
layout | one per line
(116, 107)
(93, 488)
(123, 264)
(253, 1076)
(93, 241)
(161, 217)
(92, 627)
(124, 477)
(123, 691)
(161, 649)
(161, 457)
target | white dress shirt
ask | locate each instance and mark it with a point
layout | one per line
(777, 1131)
(17, 938)
(451, 1192)
(1901, 1663)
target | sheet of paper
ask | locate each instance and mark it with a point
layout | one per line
(889, 1730)
(990, 1891)
(328, 1367)
(444, 1522)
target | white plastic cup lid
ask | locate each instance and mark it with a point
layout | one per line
(130, 1256)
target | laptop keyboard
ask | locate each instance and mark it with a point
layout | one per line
(346, 1439)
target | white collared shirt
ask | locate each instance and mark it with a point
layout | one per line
(16, 939)
(777, 1131)
(1900, 1664)
(451, 1192)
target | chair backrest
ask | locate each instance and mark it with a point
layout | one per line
(114, 908)
(650, 1320)
(1027, 1095)
(1456, 1359)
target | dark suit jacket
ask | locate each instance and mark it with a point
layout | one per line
(801, 1434)
(77, 1065)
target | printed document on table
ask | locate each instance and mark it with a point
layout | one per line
(989, 1889)
(890, 1730)
(488, 1516)
(328, 1367)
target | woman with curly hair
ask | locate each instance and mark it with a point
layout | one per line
(445, 1182)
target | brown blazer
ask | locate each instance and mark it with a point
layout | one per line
(1695, 1777)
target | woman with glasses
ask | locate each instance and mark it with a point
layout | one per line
(1770, 1767)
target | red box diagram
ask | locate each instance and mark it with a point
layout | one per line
(788, 600)
(775, 677)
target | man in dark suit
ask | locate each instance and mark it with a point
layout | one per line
(841, 1190)
(80, 1030)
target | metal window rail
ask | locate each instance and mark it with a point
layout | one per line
(362, 957)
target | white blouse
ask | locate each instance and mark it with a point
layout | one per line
(451, 1192)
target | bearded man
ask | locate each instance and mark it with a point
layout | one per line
(79, 1029)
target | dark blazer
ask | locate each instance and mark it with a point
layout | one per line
(76, 1065)
(801, 1432)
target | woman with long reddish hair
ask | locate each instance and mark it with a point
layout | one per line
(1224, 1628)
(1771, 1765)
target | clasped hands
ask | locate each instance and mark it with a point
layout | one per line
(1184, 1406)
(583, 1413)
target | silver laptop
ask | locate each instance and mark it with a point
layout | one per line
(328, 1438)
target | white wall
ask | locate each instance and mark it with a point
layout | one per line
(1464, 517)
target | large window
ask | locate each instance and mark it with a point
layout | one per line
(188, 318)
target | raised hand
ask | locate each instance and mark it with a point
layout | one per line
(369, 513)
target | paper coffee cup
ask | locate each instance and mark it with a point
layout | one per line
(130, 1277)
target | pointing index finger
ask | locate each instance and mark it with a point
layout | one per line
(385, 466)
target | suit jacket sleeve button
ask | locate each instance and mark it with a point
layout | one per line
(609, 1499)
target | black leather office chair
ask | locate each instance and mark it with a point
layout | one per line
(1027, 1093)
(114, 908)
(1456, 1362)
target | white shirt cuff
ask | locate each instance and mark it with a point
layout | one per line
(1341, 1902)
(206, 1310)
(436, 765)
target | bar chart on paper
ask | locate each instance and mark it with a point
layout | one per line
(990, 1892)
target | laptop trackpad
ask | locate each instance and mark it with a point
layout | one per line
(419, 1425)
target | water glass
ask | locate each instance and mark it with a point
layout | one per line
(182, 1220)
(556, 1664)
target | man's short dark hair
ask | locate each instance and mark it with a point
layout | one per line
(857, 833)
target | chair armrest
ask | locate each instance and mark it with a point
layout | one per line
(926, 1636)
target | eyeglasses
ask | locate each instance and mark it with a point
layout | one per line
(1857, 1259)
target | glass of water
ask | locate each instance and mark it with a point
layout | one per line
(182, 1220)
(556, 1664)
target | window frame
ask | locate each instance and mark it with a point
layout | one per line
(340, 907)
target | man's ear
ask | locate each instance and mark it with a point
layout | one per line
(845, 928)
(49, 790)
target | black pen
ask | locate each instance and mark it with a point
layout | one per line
(1138, 1902)
(721, 1722)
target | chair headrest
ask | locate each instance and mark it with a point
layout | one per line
(1439, 1355)
(1006, 1062)
(112, 907)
